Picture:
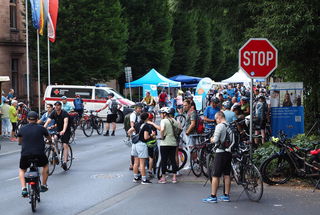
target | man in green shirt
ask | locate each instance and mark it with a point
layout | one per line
(13, 116)
(5, 119)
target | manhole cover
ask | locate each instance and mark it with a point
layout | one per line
(107, 176)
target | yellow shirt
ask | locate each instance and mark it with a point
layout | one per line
(13, 116)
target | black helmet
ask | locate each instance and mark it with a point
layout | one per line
(172, 111)
(215, 100)
(58, 103)
(32, 115)
(111, 94)
(138, 104)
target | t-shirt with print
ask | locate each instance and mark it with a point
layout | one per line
(169, 138)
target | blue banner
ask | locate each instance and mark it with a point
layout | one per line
(287, 111)
(35, 7)
(150, 88)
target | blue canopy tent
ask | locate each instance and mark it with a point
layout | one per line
(186, 81)
(155, 78)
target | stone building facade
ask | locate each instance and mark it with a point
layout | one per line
(13, 47)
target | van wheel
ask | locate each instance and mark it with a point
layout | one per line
(120, 117)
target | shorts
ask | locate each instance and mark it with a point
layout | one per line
(111, 118)
(14, 126)
(260, 125)
(222, 164)
(139, 150)
(151, 152)
(66, 137)
(25, 161)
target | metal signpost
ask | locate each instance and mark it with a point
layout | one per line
(128, 74)
(258, 58)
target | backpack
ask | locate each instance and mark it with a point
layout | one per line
(126, 122)
(199, 125)
(114, 107)
(78, 104)
(176, 130)
(230, 143)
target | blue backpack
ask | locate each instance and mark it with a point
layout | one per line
(78, 104)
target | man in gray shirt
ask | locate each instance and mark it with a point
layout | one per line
(222, 161)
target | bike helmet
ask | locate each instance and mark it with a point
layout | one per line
(32, 115)
(63, 97)
(165, 110)
(215, 100)
(20, 104)
(227, 104)
(138, 104)
(172, 111)
(58, 103)
(111, 94)
(244, 98)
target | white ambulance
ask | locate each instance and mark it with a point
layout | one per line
(94, 97)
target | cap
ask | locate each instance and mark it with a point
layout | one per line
(227, 104)
(32, 115)
(215, 100)
(150, 116)
(138, 104)
(63, 97)
(58, 103)
(14, 101)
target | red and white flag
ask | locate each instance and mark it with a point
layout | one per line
(52, 19)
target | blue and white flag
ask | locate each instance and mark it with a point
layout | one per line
(35, 7)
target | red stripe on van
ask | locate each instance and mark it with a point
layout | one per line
(71, 100)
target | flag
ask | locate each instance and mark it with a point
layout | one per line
(35, 7)
(52, 19)
(42, 17)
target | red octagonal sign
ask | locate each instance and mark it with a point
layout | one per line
(258, 58)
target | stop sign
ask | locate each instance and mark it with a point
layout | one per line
(258, 58)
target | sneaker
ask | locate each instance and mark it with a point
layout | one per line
(24, 192)
(162, 181)
(146, 182)
(44, 188)
(150, 174)
(137, 180)
(210, 199)
(64, 166)
(224, 198)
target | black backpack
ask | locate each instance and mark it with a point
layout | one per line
(230, 143)
(114, 107)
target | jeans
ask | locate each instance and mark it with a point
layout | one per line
(6, 126)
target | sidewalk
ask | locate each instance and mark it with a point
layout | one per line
(8, 147)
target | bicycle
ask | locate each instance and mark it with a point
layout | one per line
(291, 160)
(92, 122)
(55, 151)
(32, 178)
(181, 119)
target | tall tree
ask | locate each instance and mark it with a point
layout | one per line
(150, 40)
(91, 42)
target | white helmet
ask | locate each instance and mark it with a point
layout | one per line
(165, 110)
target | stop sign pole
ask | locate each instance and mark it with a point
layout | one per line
(258, 58)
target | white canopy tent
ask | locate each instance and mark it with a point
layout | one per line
(240, 77)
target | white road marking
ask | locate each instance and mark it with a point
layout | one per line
(11, 179)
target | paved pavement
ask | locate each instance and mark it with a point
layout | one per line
(99, 182)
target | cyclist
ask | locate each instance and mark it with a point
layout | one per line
(190, 119)
(22, 113)
(44, 118)
(65, 104)
(139, 150)
(210, 112)
(260, 110)
(230, 115)
(149, 101)
(62, 119)
(221, 162)
(33, 145)
(168, 144)
(113, 105)
(163, 97)
(78, 105)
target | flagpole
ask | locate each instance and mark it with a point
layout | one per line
(38, 56)
(49, 72)
(27, 55)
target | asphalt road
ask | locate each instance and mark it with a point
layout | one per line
(99, 182)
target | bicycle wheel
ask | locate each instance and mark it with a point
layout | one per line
(277, 169)
(183, 157)
(209, 162)
(253, 184)
(99, 127)
(33, 199)
(87, 128)
(73, 134)
(69, 158)
(181, 119)
(155, 160)
(49, 151)
(203, 161)
(195, 162)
